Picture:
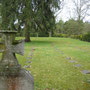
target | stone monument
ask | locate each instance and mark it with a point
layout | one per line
(12, 76)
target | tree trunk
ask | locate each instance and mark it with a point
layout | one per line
(27, 33)
(50, 34)
(37, 34)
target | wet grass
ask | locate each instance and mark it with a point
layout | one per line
(51, 69)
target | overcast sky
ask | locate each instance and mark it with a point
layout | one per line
(67, 12)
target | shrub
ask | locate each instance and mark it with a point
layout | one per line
(60, 35)
(86, 37)
(77, 36)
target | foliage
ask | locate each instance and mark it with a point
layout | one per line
(61, 35)
(86, 37)
(76, 36)
(8, 13)
(31, 14)
(73, 27)
(70, 27)
(86, 27)
(59, 27)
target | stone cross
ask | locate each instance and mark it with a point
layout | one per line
(8, 47)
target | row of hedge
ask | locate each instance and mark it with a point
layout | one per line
(85, 37)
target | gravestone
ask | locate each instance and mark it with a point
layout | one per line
(85, 71)
(72, 61)
(12, 76)
(77, 65)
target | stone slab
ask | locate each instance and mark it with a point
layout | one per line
(29, 62)
(85, 71)
(88, 81)
(72, 61)
(68, 58)
(27, 66)
(22, 82)
(29, 57)
(77, 65)
(31, 54)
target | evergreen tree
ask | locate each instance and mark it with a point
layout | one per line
(8, 13)
(31, 14)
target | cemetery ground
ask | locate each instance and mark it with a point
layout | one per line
(58, 63)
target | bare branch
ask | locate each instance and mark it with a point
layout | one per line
(81, 7)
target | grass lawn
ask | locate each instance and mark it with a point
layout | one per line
(51, 66)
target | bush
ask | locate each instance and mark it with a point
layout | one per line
(77, 36)
(33, 34)
(60, 35)
(86, 37)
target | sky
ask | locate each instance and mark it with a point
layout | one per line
(67, 12)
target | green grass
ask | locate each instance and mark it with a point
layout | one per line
(51, 70)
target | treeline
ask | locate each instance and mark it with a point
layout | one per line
(28, 16)
(71, 28)
(36, 18)
(74, 29)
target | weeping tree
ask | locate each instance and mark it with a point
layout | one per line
(31, 14)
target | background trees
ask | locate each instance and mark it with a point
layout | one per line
(72, 27)
(59, 27)
(76, 24)
(29, 14)
(0, 15)
(8, 13)
(81, 9)
(37, 17)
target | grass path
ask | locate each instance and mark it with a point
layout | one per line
(51, 67)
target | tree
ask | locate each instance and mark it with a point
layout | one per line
(0, 15)
(86, 27)
(42, 16)
(72, 27)
(31, 14)
(45, 19)
(60, 27)
(8, 13)
(81, 8)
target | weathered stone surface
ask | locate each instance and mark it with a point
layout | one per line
(27, 66)
(68, 58)
(29, 57)
(22, 82)
(29, 62)
(18, 48)
(3, 83)
(72, 61)
(85, 71)
(8, 47)
(88, 81)
(12, 77)
(77, 65)
(26, 81)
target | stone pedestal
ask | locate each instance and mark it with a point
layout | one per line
(12, 76)
(22, 82)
